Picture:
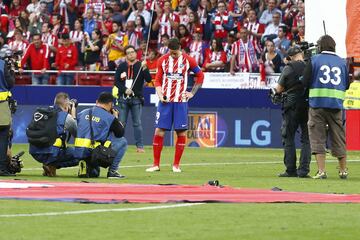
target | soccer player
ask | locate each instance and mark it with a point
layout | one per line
(171, 87)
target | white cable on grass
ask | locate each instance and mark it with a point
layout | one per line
(78, 212)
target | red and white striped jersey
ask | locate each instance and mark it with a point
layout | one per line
(64, 10)
(255, 27)
(27, 36)
(51, 40)
(18, 45)
(202, 15)
(196, 51)
(219, 20)
(165, 26)
(212, 56)
(139, 33)
(184, 19)
(245, 53)
(104, 56)
(172, 75)
(97, 5)
(163, 50)
(159, 3)
(76, 36)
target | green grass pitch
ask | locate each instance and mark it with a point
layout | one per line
(236, 167)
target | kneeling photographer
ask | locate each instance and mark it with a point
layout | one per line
(49, 131)
(290, 92)
(100, 141)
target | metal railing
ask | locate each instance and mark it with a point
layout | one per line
(80, 76)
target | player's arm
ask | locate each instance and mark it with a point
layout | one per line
(199, 78)
(158, 81)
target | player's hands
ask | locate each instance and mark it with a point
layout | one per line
(163, 99)
(21, 70)
(187, 95)
(43, 70)
(115, 112)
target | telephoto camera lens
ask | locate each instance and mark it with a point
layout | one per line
(75, 102)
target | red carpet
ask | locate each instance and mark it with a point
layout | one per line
(114, 193)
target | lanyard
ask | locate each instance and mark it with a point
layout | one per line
(130, 71)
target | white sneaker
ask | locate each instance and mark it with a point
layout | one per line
(176, 169)
(153, 169)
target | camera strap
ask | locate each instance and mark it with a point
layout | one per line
(91, 128)
(134, 81)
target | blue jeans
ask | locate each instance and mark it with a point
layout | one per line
(40, 78)
(119, 145)
(135, 106)
(65, 158)
(65, 79)
(4, 141)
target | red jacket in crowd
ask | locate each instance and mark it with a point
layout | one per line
(66, 55)
(38, 57)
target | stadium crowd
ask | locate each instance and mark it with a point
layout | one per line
(222, 35)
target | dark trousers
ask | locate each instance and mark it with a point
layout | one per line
(4, 142)
(294, 118)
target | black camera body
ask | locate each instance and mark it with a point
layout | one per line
(276, 98)
(15, 164)
(10, 57)
(12, 105)
(74, 102)
(308, 49)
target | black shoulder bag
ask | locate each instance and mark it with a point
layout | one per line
(101, 156)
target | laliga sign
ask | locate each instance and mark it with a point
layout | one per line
(202, 131)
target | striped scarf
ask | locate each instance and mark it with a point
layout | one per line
(247, 58)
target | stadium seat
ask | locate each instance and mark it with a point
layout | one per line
(89, 79)
(52, 79)
(107, 80)
(22, 79)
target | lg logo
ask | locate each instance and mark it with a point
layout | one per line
(327, 72)
(259, 133)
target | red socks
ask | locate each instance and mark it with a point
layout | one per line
(157, 147)
(179, 149)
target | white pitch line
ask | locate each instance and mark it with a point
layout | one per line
(200, 164)
(98, 211)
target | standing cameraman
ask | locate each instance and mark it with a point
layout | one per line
(294, 112)
(7, 81)
(327, 77)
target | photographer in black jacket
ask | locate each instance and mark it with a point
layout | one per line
(128, 89)
(295, 114)
(7, 81)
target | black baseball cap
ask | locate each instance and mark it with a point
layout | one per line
(293, 51)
